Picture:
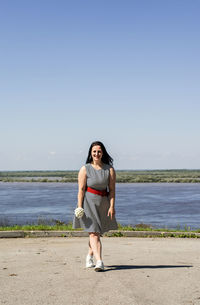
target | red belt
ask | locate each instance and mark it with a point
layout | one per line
(97, 192)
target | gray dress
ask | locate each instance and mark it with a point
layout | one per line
(95, 206)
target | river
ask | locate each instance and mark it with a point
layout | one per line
(163, 205)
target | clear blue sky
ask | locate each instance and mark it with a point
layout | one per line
(126, 73)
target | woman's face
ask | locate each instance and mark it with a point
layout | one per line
(96, 153)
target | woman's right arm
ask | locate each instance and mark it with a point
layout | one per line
(82, 179)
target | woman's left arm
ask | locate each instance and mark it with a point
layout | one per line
(112, 180)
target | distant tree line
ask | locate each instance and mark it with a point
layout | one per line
(122, 176)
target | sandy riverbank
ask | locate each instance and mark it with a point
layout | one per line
(142, 271)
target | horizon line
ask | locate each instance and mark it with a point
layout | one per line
(65, 170)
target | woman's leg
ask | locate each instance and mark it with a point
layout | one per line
(90, 252)
(96, 245)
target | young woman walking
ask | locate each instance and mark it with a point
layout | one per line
(95, 211)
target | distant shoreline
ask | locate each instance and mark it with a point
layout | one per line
(122, 176)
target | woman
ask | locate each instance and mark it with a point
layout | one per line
(95, 178)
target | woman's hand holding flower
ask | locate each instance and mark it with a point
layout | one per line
(79, 212)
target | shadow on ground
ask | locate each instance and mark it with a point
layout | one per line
(124, 267)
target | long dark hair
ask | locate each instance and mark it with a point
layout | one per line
(106, 158)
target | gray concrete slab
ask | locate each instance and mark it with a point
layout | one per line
(138, 271)
(114, 233)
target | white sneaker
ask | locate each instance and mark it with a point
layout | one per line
(89, 261)
(99, 266)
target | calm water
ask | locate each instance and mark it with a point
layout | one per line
(162, 205)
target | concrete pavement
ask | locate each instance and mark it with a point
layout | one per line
(138, 271)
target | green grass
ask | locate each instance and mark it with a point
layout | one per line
(68, 227)
(42, 227)
(146, 227)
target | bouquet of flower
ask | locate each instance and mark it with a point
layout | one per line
(79, 212)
